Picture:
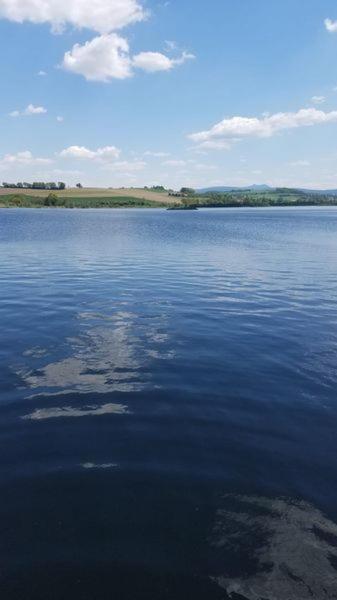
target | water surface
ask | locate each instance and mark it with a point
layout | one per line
(168, 408)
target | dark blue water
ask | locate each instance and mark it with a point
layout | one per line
(168, 408)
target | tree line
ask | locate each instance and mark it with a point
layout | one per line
(36, 185)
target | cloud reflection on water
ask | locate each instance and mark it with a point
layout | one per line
(92, 466)
(112, 353)
(291, 544)
(41, 414)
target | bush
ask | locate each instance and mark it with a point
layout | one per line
(16, 200)
(51, 200)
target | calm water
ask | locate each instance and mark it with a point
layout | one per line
(168, 415)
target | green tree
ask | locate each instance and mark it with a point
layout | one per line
(51, 200)
(187, 191)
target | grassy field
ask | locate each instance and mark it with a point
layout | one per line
(137, 193)
(28, 201)
(140, 198)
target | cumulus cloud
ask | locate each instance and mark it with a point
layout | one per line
(98, 15)
(330, 25)
(243, 127)
(29, 110)
(108, 57)
(23, 158)
(156, 61)
(104, 58)
(81, 152)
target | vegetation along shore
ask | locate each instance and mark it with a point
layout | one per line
(158, 197)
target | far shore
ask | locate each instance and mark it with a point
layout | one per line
(159, 198)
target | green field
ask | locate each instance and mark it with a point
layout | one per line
(27, 201)
(87, 199)
(139, 193)
(278, 197)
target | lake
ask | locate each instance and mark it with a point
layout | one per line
(168, 410)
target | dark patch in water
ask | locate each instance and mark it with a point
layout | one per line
(292, 544)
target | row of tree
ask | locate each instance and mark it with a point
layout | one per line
(37, 185)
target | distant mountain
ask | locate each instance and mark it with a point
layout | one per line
(260, 188)
(233, 188)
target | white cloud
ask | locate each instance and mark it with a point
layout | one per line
(102, 16)
(156, 154)
(203, 167)
(171, 45)
(300, 163)
(127, 166)
(330, 25)
(107, 153)
(318, 99)
(103, 58)
(34, 110)
(23, 158)
(60, 119)
(153, 62)
(42, 73)
(241, 127)
(108, 57)
(215, 145)
(29, 110)
(174, 163)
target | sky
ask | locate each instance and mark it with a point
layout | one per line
(177, 93)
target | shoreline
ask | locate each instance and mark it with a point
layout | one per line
(282, 198)
(168, 209)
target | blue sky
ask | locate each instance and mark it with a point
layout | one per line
(129, 92)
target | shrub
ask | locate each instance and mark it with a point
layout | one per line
(51, 200)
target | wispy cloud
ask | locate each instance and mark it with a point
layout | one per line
(29, 111)
(81, 152)
(23, 158)
(318, 99)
